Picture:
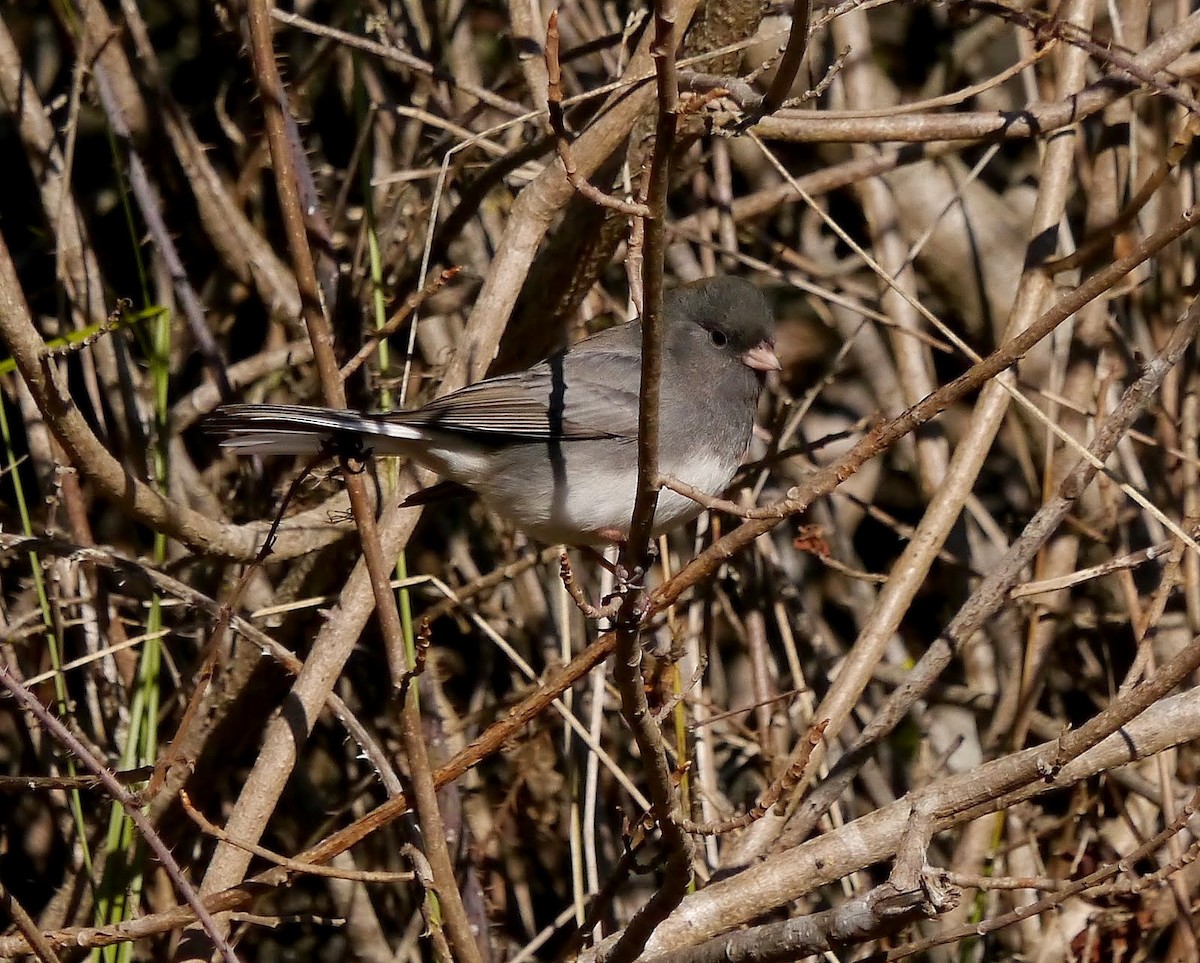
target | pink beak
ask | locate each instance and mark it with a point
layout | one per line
(762, 357)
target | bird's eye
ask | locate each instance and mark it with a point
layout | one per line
(718, 338)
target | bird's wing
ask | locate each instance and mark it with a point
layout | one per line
(590, 391)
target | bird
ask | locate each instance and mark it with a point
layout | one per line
(553, 449)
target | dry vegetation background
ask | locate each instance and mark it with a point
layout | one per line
(933, 700)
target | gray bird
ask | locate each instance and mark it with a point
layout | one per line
(554, 448)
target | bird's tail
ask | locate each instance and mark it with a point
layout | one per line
(305, 429)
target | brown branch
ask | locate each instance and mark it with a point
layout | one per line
(606, 610)
(127, 800)
(664, 792)
(789, 778)
(877, 913)
(1100, 239)
(296, 866)
(910, 894)
(458, 927)
(376, 336)
(243, 249)
(789, 64)
(993, 591)
(1046, 28)
(562, 141)
(399, 57)
(148, 204)
(27, 926)
(1120, 563)
(836, 66)
(506, 573)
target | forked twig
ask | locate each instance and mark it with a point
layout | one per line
(285, 862)
(772, 795)
(562, 142)
(375, 337)
(605, 610)
(789, 63)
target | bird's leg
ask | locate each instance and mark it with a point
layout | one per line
(635, 580)
(629, 581)
(351, 451)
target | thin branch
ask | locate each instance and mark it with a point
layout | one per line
(127, 800)
(148, 204)
(296, 866)
(993, 591)
(606, 610)
(664, 792)
(376, 336)
(402, 58)
(789, 778)
(266, 70)
(562, 141)
(1119, 564)
(789, 64)
(27, 926)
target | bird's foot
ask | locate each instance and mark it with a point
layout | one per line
(627, 580)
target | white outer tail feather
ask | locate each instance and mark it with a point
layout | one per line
(299, 430)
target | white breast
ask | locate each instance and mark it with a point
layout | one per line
(702, 470)
(604, 501)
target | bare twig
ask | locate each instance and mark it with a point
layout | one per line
(27, 926)
(270, 85)
(412, 303)
(291, 865)
(789, 64)
(664, 792)
(403, 58)
(562, 141)
(773, 793)
(126, 800)
(606, 610)
(148, 203)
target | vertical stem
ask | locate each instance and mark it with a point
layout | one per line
(677, 872)
(460, 935)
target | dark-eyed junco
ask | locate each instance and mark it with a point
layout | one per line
(554, 448)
